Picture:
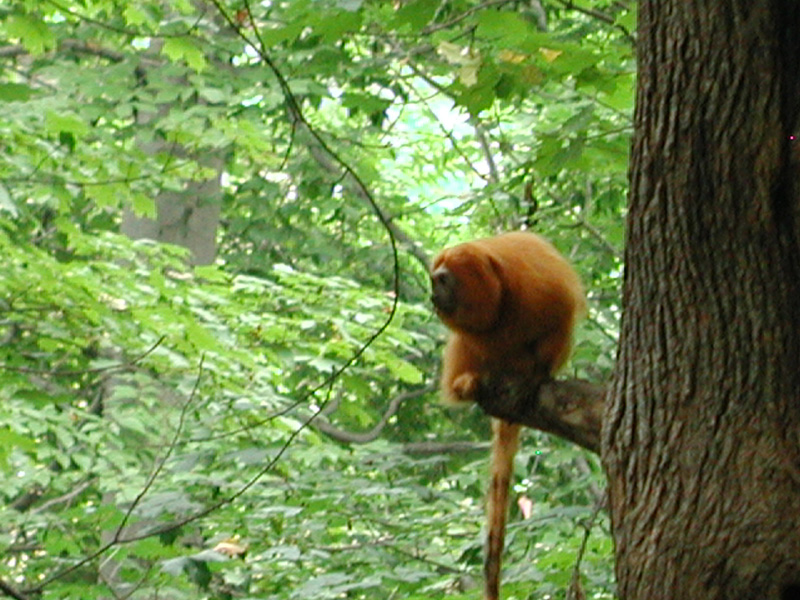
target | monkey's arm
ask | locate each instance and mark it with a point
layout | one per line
(569, 408)
(460, 370)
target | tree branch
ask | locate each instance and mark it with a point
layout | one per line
(569, 408)
(349, 437)
(436, 448)
(9, 591)
(333, 166)
(77, 46)
(455, 21)
(494, 173)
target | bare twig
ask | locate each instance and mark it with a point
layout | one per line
(597, 234)
(118, 538)
(11, 592)
(160, 466)
(67, 373)
(447, 132)
(123, 30)
(599, 15)
(494, 174)
(64, 498)
(435, 448)
(348, 437)
(575, 590)
(456, 20)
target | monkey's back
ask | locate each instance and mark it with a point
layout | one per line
(542, 293)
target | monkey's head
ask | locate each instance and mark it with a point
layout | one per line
(467, 288)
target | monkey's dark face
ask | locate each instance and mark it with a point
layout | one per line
(466, 289)
(443, 290)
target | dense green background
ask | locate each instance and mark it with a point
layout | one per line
(151, 409)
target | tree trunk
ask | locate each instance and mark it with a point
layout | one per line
(701, 438)
(189, 217)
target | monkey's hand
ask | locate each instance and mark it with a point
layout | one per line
(465, 387)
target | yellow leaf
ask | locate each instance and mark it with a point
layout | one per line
(231, 547)
(512, 57)
(468, 74)
(458, 55)
(468, 59)
(531, 75)
(550, 55)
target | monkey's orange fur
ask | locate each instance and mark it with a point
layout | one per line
(510, 302)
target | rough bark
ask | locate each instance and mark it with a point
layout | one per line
(701, 438)
(569, 408)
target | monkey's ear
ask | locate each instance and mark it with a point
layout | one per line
(498, 270)
(496, 265)
(437, 261)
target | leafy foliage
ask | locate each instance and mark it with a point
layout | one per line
(266, 426)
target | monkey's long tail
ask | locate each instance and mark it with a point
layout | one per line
(505, 441)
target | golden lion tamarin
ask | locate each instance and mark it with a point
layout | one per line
(510, 302)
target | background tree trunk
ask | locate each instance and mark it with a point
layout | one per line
(188, 217)
(701, 436)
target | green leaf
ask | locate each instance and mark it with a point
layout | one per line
(273, 36)
(349, 5)
(414, 14)
(198, 573)
(333, 26)
(12, 92)
(108, 195)
(10, 439)
(65, 123)
(41, 398)
(58, 544)
(212, 273)
(33, 33)
(621, 98)
(505, 29)
(186, 49)
(134, 15)
(6, 203)
(200, 337)
(570, 59)
(365, 102)
(144, 206)
(212, 95)
(482, 95)
(627, 18)
(402, 370)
